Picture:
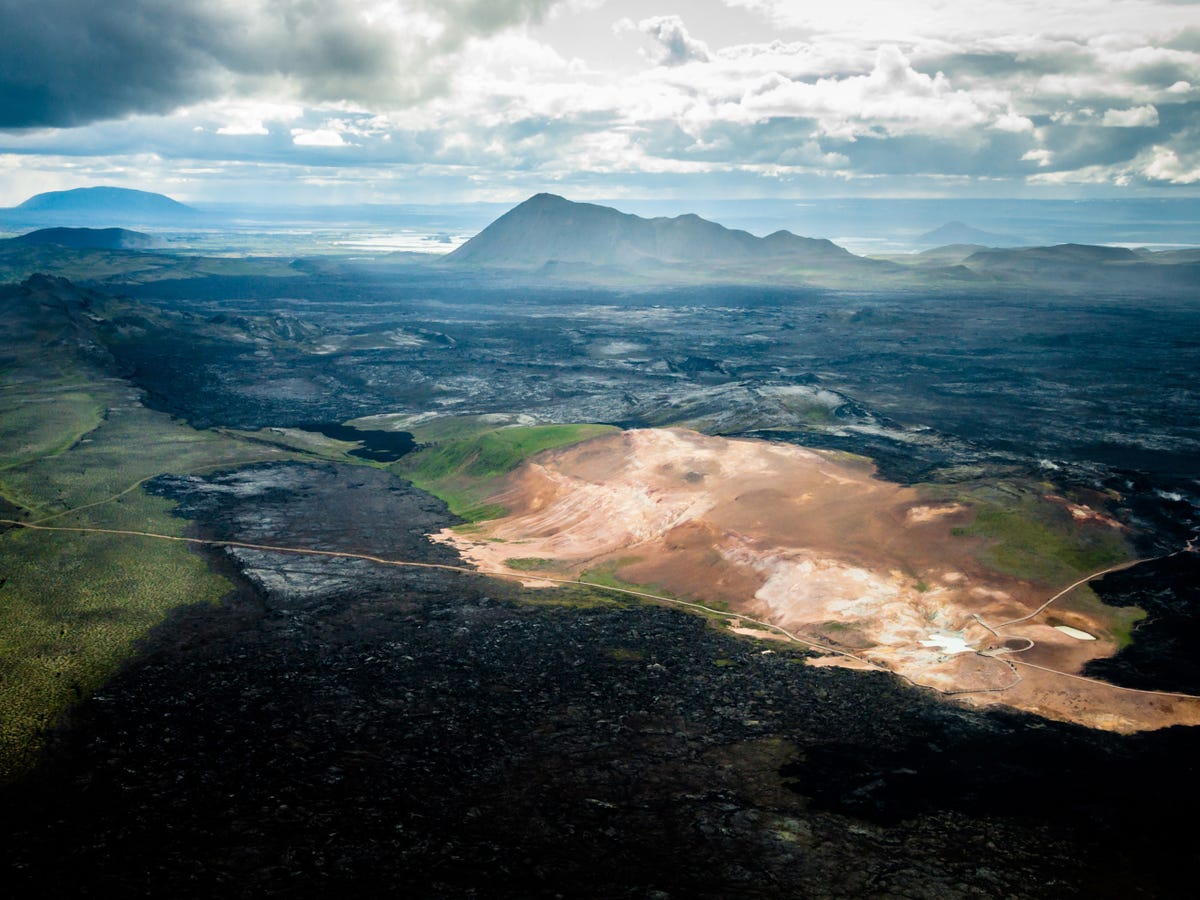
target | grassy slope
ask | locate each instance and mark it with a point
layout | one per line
(461, 459)
(72, 605)
(75, 446)
(1031, 538)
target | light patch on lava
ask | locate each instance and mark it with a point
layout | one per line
(921, 515)
(1083, 514)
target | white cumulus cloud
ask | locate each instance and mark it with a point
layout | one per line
(673, 45)
(1138, 117)
(318, 137)
(1164, 164)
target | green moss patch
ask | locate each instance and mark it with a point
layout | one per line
(72, 607)
(464, 458)
(530, 564)
(1031, 538)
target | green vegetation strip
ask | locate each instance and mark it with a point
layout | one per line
(71, 610)
(1029, 537)
(75, 446)
(461, 460)
(530, 564)
(72, 606)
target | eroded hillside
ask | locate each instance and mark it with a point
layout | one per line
(814, 543)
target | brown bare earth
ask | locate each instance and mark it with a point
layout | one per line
(814, 543)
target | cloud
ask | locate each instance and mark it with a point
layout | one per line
(336, 89)
(673, 45)
(1157, 166)
(892, 98)
(319, 137)
(1010, 121)
(248, 118)
(1138, 117)
(64, 62)
(70, 62)
(971, 18)
(1164, 164)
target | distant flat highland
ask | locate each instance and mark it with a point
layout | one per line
(548, 229)
(101, 205)
(89, 239)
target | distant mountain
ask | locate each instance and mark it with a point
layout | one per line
(105, 205)
(1059, 254)
(1085, 267)
(88, 239)
(550, 229)
(1173, 257)
(960, 233)
(948, 254)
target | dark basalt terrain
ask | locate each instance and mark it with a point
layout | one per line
(342, 727)
(1023, 376)
(1095, 392)
(377, 446)
(1169, 591)
(338, 726)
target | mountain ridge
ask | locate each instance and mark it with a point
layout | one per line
(548, 228)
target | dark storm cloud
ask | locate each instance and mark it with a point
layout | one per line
(65, 62)
(1161, 73)
(1188, 39)
(1076, 146)
(71, 62)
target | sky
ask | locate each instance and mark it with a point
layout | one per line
(425, 101)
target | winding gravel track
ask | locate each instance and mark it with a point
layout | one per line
(446, 567)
